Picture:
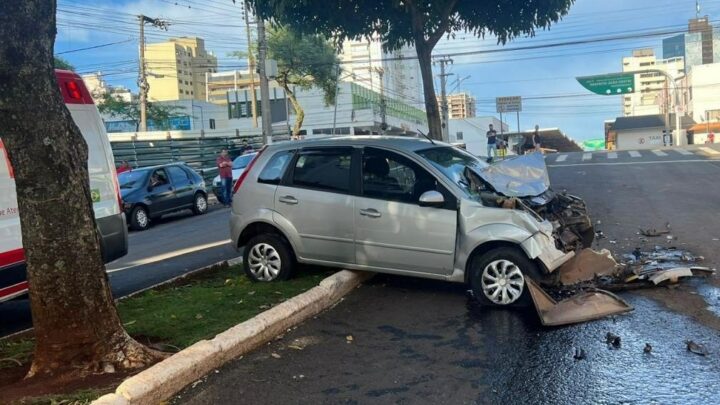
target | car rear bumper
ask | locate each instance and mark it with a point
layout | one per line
(113, 236)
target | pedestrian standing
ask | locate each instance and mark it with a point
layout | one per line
(491, 143)
(124, 167)
(710, 138)
(502, 147)
(536, 140)
(246, 147)
(224, 165)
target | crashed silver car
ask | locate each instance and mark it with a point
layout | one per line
(405, 206)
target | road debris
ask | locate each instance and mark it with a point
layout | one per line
(579, 354)
(613, 340)
(583, 306)
(275, 355)
(647, 349)
(696, 348)
(652, 232)
(586, 266)
(349, 338)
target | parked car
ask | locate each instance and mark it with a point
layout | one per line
(151, 192)
(404, 206)
(104, 191)
(239, 165)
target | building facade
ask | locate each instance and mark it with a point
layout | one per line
(699, 46)
(396, 73)
(461, 105)
(701, 93)
(98, 88)
(651, 95)
(176, 69)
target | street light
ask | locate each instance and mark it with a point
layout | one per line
(202, 117)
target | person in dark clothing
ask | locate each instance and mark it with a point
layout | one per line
(537, 142)
(491, 143)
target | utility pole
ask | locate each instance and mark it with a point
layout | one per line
(143, 86)
(142, 80)
(337, 93)
(383, 104)
(251, 64)
(264, 86)
(443, 98)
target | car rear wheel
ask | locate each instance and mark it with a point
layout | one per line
(139, 219)
(498, 277)
(268, 258)
(201, 205)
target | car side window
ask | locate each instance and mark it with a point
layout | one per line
(389, 176)
(159, 178)
(323, 169)
(273, 171)
(178, 175)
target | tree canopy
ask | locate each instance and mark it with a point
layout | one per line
(421, 23)
(62, 63)
(116, 107)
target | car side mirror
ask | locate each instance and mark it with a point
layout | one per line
(431, 198)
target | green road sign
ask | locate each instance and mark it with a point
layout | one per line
(609, 85)
(594, 144)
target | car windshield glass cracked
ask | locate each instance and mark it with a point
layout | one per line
(452, 163)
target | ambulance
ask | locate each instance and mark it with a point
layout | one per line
(104, 191)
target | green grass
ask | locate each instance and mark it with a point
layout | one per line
(182, 315)
(15, 349)
(178, 315)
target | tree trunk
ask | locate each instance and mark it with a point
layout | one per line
(77, 328)
(424, 54)
(299, 112)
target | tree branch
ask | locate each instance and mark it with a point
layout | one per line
(444, 24)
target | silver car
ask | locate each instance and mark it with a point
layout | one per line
(405, 206)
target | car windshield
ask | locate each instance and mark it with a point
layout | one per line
(452, 162)
(132, 179)
(241, 162)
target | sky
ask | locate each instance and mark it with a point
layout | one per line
(544, 77)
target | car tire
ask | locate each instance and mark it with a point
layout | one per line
(200, 204)
(139, 219)
(268, 257)
(497, 277)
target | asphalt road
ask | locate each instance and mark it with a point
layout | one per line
(420, 341)
(174, 245)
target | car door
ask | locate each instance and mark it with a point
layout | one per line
(161, 193)
(183, 186)
(315, 198)
(393, 232)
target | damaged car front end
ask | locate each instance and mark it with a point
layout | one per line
(515, 233)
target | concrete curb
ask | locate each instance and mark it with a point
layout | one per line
(168, 377)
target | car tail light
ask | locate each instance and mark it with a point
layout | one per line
(73, 90)
(249, 167)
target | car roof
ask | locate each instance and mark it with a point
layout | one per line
(397, 142)
(161, 166)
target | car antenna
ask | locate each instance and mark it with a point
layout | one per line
(426, 137)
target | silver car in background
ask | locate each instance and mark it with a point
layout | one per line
(404, 206)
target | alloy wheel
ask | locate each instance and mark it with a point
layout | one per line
(502, 282)
(264, 262)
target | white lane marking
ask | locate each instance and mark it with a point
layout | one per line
(709, 151)
(169, 255)
(634, 163)
(612, 155)
(634, 153)
(659, 152)
(683, 151)
(561, 158)
(587, 156)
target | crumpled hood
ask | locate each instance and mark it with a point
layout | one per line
(522, 176)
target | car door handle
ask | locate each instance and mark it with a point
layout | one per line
(288, 199)
(371, 212)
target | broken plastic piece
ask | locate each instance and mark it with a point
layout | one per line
(586, 265)
(671, 275)
(696, 348)
(585, 306)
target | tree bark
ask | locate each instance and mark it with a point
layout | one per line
(77, 328)
(431, 105)
(299, 112)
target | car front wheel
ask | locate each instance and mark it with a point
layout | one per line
(139, 219)
(498, 277)
(201, 205)
(268, 258)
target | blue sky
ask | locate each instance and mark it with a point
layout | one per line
(530, 73)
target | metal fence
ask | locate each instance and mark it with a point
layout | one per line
(198, 153)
